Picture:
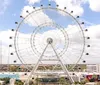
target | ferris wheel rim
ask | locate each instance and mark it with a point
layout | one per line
(63, 32)
(55, 9)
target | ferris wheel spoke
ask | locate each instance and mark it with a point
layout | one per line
(75, 55)
(23, 38)
(80, 58)
(26, 56)
(75, 33)
(79, 50)
(23, 49)
(68, 59)
(76, 43)
(78, 27)
(34, 20)
(44, 17)
(23, 44)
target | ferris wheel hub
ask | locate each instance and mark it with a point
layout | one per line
(49, 40)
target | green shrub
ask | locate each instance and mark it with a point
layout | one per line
(81, 83)
(6, 80)
(19, 82)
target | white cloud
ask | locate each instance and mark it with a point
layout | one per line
(72, 5)
(4, 46)
(5, 39)
(94, 5)
(33, 1)
(3, 5)
(94, 33)
(36, 18)
(39, 18)
(6, 50)
(76, 5)
(94, 50)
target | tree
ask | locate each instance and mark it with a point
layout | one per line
(19, 82)
(6, 80)
(64, 81)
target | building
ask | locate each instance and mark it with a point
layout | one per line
(93, 68)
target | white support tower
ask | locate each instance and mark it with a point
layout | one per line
(41, 59)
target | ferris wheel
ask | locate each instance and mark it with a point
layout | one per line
(50, 36)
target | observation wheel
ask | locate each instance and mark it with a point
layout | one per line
(49, 36)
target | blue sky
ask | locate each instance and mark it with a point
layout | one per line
(14, 8)
(88, 10)
(11, 14)
(91, 16)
